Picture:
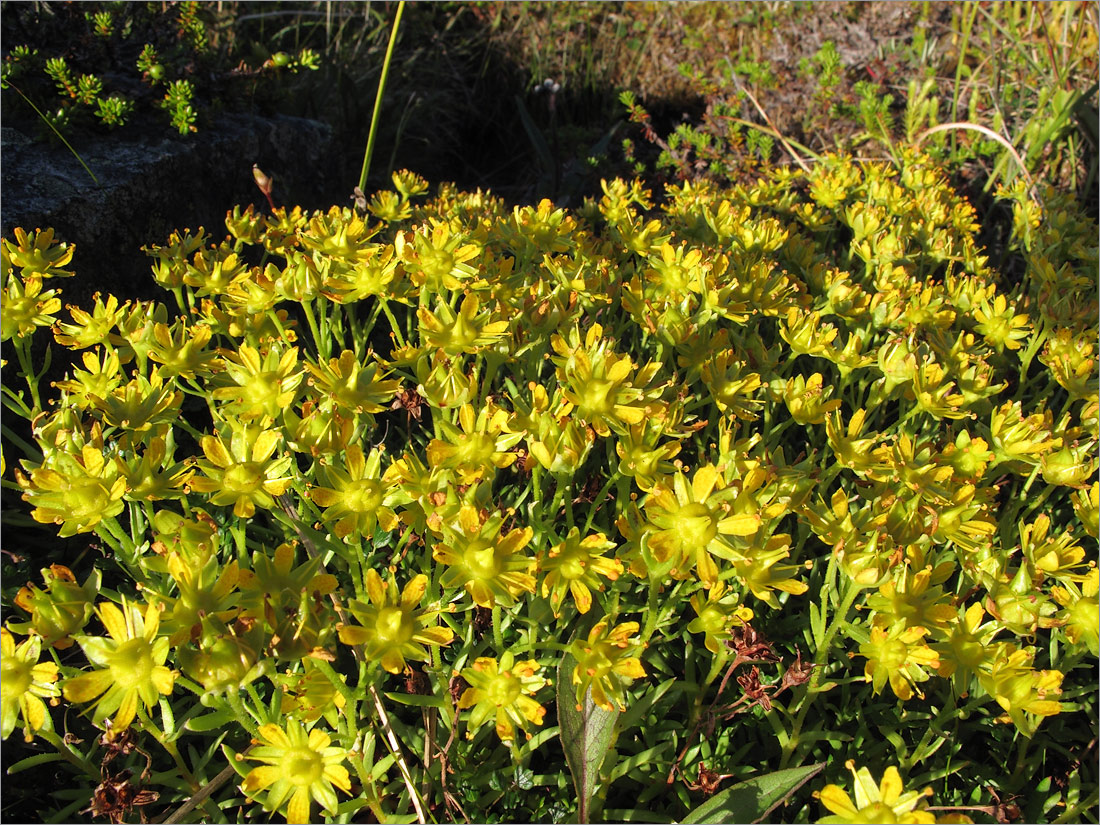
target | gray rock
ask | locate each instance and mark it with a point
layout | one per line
(149, 186)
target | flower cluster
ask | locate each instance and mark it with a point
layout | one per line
(540, 422)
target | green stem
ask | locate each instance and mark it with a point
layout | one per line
(810, 696)
(60, 136)
(398, 336)
(652, 609)
(22, 351)
(498, 633)
(243, 717)
(350, 711)
(321, 344)
(237, 529)
(597, 501)
(378, 96)
(170, 746)
(68, 752)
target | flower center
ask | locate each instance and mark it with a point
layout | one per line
(695, 524)
(86, 498)
(15, 678)
(893, 655)
(572, 566)
(503, 690)
(303, 766)
(393, 626)
(481, 561)
(876, 813)
(132, 663)
(262, 389)
(364, 496)
(596, 397)
(244, 477)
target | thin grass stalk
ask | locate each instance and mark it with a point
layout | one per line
(60, 136)
(378, 96)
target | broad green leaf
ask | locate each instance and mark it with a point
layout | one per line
(754, 799)
(586, 735)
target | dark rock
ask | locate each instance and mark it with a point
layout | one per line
(150, 186)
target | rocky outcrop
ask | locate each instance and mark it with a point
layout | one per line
(149, 186)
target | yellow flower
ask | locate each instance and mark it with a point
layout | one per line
(84, 491)
(914, 597)
(967, 645)
(641, 457)
(391, 628)
(716, 616)
(806, 398)
(887, 801)
(1081, 613)
(478, 559)
(138, 406)
(242, 473)
(35, 253)
(352, 386)
(261, 386)
(731, 382)
(26, 307)
(603, 662)
(130, 664)
(758, 569)
(298, 767)
(287, 599)
(360, 498)
(481, 446)
(898, 655)
(576, 565)
(691, 523)
(181, 350)
(102, 376)
(1023, 692)
(63, 608)
(602, 385)
(24, 682)
(457, 333)
(439, 258)
(91, 328)
(1000, 324)
(502, 692)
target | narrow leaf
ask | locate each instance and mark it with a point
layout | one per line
(586, 735)
(209, 722)
(754, 799)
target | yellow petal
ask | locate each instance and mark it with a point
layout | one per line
(837, 800)
(298, 809)
(275, 736)
(87, 686)
(114, 621)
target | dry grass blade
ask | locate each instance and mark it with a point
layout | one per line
(989, 133)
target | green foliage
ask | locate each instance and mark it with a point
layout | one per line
(772, 479)
(181, 53)
(177, 102)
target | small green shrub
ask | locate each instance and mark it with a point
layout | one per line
(459, 511)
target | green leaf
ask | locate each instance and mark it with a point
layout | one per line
(754, 799)
(209, 722)
(417, 700)
(32, 761)
(586, 735)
